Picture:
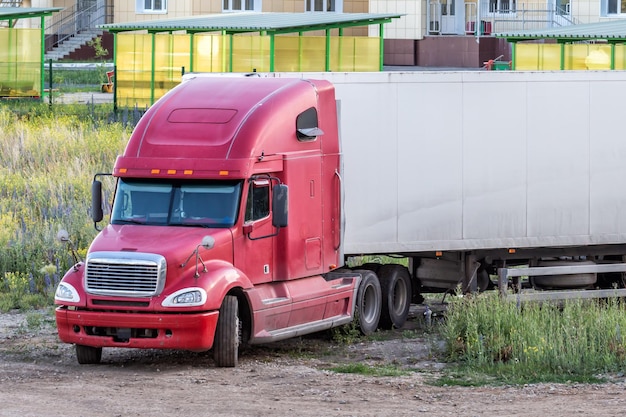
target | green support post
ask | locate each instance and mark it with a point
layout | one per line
(41, 62)
(115, 72)
(191, 39)
(340, 51)
(381, 52)
(327, 60)
(272, 48)
(223, 51)
(612, 56)
(513, 54)
(230, 53)
(562, 64)
(153, 71)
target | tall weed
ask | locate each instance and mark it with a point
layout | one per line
(48, 160)
(574, 339)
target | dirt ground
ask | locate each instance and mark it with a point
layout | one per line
(39, 377)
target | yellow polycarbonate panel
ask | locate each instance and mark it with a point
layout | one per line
(209, 53)
(171, 55)
(288, 56)
(620, 57)
(367, 54)
(308, 53)
(587, 57)
(20, 62)
(251, 54)
(133, 77)
(299, 53)
(533, 56)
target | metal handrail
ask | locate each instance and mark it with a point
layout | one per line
(69, 22)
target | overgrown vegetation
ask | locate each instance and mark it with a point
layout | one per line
(71, 80)
(48, 158)
(494, 340)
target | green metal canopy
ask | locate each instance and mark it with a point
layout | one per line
(230, 53)
(275, 23)
(613, 31)
(14, 13)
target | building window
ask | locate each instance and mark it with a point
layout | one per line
(501, 6)
(151, 6)
(616, 6)
(324, 5)
(239, 5)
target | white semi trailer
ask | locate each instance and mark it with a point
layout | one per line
(467, 173)
(238, 202)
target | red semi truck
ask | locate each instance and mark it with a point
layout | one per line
(225, 227)
(237, 205)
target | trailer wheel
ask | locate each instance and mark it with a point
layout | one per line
(88, 355)
(226, 344)
(395, 283)
(368, 302)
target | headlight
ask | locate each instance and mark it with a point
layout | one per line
(66, 292)
(187, 297)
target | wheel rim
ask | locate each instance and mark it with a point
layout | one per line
(399, 297)
(369, 308)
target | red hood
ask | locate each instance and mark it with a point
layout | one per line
(174, 243)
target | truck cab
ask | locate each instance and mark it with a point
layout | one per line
(225, 226)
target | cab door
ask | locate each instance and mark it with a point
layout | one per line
(255, 255)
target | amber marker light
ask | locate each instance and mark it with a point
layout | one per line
(171, 171)
(223, 173)
(187, 172)
(155, 171)
(438, 253)
(123, 170)
(511, 250)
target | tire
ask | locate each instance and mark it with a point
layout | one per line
(226, 343)
(371, 266)
(572, 281)
(368, 302)
(88, 355)
(395, 283)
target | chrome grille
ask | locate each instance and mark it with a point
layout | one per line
(128, 274)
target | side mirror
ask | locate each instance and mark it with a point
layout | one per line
(280, 205)
(96, 202)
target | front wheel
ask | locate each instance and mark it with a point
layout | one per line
(226, 343)
(88, 355)
(368, 302)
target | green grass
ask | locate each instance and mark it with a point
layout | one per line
(48, 159)
(491, 339)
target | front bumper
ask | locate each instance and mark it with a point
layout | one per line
(194, 331)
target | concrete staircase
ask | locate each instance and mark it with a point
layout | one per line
(71, 44)
(10, 3)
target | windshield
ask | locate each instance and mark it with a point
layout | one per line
(176, 203)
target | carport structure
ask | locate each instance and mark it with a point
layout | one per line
(593, 46)
(150, 57)
(22, 52)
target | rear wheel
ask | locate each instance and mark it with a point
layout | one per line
(368, 302)
(395, 283)
(226, 344)
(88, 355)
